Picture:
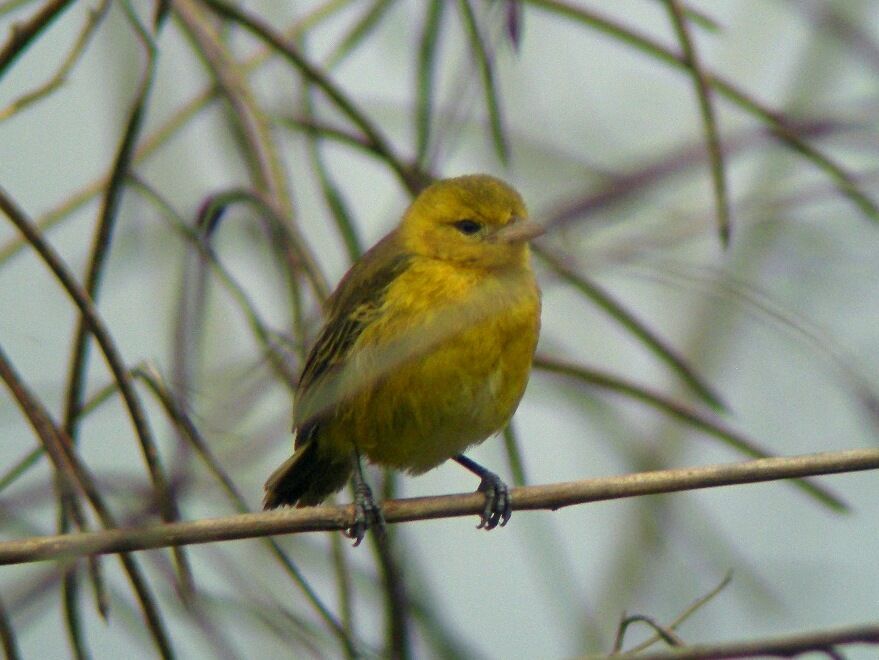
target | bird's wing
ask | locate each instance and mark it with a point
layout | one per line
(355, 304)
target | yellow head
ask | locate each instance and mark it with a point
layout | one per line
(475, 220)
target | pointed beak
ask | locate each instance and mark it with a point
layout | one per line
(519, 230)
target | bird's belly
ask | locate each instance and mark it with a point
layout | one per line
(426, 427)
(437, 405)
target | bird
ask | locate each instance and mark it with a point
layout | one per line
(426, 351)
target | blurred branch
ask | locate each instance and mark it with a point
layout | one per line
(823, 641)
(529, 498)
(425, 79)
(102, 243)
(398, 625)
(666, 634)
(854, 36)
(624, 187)
(267, 169)
(703, 420)
(479, 47)
(191, 434)
(183, 114)
(683, 616)
(359, 32)
(780, 124)
(92, 319)
(650, 339)
(407, 174)
(7, 635)
(269, 173)
(22, 34)
(265, 337)
(706, 107)
(74, 476)
(95, 16)
(279, 230)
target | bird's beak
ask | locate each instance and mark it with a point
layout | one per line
(519, 230)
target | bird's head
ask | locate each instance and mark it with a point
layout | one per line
(474, 220)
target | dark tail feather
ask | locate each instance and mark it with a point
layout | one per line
(307, 477)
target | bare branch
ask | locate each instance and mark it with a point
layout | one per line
(783, 647)
(329, 518)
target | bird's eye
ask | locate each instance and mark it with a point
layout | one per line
(468, 227)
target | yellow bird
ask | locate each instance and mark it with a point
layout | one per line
(426, 350)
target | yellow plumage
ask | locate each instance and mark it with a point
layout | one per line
(427, 345)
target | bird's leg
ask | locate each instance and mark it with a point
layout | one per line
(366, 512)
(498, 505)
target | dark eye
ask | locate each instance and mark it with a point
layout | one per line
(468, 227)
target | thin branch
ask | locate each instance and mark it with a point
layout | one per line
(190, 433)
(425, 79)
(89, 29)
(277, 229)
(7, 635)
(780, 124)
(643, 332)
(22, 34)
(479, 46)
(92, 319)
(74, 476)
(683, 616)
(268, 173)
(784, 647)
(397, 608)
(628, 185)
(706, 108)
(179, 118)
(284, 47)
(701, 419)
(529, 498)
(102, 243)
(665, 633)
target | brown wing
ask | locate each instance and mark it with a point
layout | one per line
(355, 304)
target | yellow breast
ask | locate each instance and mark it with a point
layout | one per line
(444, 368)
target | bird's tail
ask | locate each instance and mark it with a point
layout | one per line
(308, 477)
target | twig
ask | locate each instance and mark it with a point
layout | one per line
(780, 124)
(784, 647)
(478, 44)
(93, 19)
(7, 635)
(255, 25)
(92, 319)
(642, 331)
(623, 187)
(263, 155)
(179, 118)
(665, 633)
(22, 34)
(329, 518)
(74, 476)
(698, 418)
(706, 108)
(683, 616)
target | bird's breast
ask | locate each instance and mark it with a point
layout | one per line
(450, 365)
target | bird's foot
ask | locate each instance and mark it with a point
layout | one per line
(498, 504)
(367, 514)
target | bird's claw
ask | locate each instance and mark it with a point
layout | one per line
(367, 514)
(498, 504)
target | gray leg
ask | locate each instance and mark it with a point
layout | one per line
(366, 512)
(498, 505)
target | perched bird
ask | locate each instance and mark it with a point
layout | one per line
(425, 352)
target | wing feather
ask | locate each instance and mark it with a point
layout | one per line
(357, 302)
